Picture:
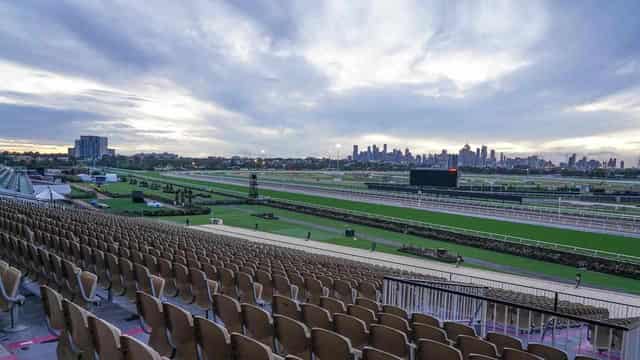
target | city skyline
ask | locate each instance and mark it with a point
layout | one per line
(223, 78)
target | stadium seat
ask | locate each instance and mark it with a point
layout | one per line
(362, 313)
(55, 321)
(547, 352)
(473, 345)
(133, 349)
(352, 328)
(453, 329)
(183, 283)
(316, 317)
(369, 304)
(504, 341)
(283, 287)
(258, 324)
(10, 298)
(78, 324)
(333, 305)
(228, 282)
(369, 353)
(327, 345)
(315, 290)
(213, 339)
(264, 279)
(228, 309)
(424, 331)
(166, 272)
(396, 322)
(153, 322)
(249, 291)
(246, 348)
(343, 291)
(203, 290)
(395, 310)
(294, 338)
(513, 354)
(106, 339)
(390, 340)
(425, 319)
(181, 332)
(283, 305)
(430, 350)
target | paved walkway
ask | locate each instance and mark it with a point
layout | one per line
(486, 277)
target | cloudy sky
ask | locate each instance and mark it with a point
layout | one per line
(295, 78)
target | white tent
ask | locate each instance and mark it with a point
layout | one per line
(49, 195)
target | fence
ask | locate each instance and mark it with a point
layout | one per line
(575, 335)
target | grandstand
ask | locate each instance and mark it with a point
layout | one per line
(125, 288)
(14, 182)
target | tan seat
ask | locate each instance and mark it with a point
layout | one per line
(70, 279)
(547, 352)
(453, 329)
(133, 349)
(425, 319)
(153, 322)
(395, 322)
(88, 284)
(316, 317)
(473, 345)
(166, 272)
(502, 341)
(10, 299)
(106, 339)
(55, 321)
(78, 324)
(352, 328)
(183, 283)
(294, 338)
(246, 348)
(343, 291)
(390, 340)
(327, 345)
(283, 305)
(264, 279)
(429, 350)
(513, 354)
(181, 332)
(203, 290)
(283, 287)
(129, 278)
(369, 304)
(228, 282)
(395, 310)
(334, 306)
(369, 353)
(249, 292)
(228, 309)
(115, 275)
(362, 313)
(315, 290)
(214, 340)
(258, 324)
(424, 331)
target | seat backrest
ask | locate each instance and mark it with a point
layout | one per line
(395, 310)
(352, 328)
(473, 345)
(362, 313)
(547, 352)
(133, 349)
(52, 303)
(334, 305)
(228, 309)
(424, 331)
(428, 350)
(343, 291)
(282, 285)
(504, 341)
(453, 329)
(425, 319)
(10, 279)
(214, 340)
(106, 339)
(246, 288)
(293, 336)
(390, 340)
(369, 353)
(328, 345)
(283, 305)
(369, 304)
(316, 317)
(76, 319)
(151, 313)
(258, 324)
(395, 322)
(246, 348)
(513, 354)
(180, 326)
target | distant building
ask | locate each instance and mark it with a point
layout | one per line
(91, 148)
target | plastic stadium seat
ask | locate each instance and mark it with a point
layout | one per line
(258, 324)
(133, 349)
(203, 290)
(430, 350)
(10, 299)
(166, 272)
(424, 331)
(213, 339)
(367, 290)
(152, 316)
(106, 339)
(183, 283)
(513, 354)
(547, 352)
(369, 304)
(181, 332)
(87, 285)
(78, 323)
(228, 309)
(473, 345)
(129, 277)
(228, 282)
(283, 305)
(334, 305)
(504, 341)
(390, 340)
(425, 319)
(369, 353)
(294, 338)
(395, 321)
(328, 345)
(362, 313)
(249, 291)
(117, 283)
(283, 287)
(395, 310)
(316, 317)
(315, 290)
(352, 328)
(246, 348)
(55, 321)
(264, 279)
(453, 329)
(343, 291)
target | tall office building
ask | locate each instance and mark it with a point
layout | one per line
(91, 148)
(483, 155)
(355, 152)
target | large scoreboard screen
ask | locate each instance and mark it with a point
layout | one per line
(434, 177)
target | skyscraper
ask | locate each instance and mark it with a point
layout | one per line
(355, 152)
(91, 148)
